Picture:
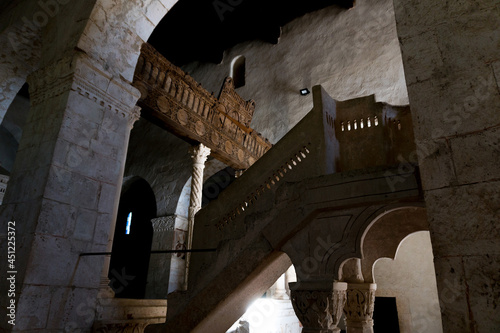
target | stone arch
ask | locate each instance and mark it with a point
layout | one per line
(386, 233)
(132, 238)
(358, 246)
(237, 71)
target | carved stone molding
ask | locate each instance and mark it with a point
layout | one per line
(359, 307)
(121, 315)
(76, 73)
(164, 223)
(121, 328)
(318, 308)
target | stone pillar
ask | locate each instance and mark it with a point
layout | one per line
(63, 192)
(452, 71)
(105, 290)
(359, 307)
(159, 264)
(280, 291)
(318, 305)
(199, 154)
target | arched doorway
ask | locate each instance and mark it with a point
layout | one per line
(132, 240)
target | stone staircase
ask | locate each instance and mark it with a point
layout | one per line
(301, 198)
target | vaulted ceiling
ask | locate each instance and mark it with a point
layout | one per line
(200, 30)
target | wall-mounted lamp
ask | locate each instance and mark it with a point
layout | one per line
(304, 91)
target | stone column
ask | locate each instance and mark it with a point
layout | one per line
(318, 305)
(63, 192)
(359, 307)
(159, 265)
(199, 154)
(456, 117)
(280, 292)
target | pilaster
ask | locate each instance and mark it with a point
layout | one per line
(64, 189)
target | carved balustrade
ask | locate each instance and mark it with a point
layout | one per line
(175, 101)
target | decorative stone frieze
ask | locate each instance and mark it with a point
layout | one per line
(164, 223)
(359, 307)
(78, 74)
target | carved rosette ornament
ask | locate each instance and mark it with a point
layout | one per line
(359, 307)
(319, 309)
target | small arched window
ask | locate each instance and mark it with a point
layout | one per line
(238, 71)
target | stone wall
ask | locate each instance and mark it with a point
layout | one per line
(352, 53)
(452, 69)
(410, 277)
(160, 158)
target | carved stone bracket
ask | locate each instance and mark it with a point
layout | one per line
(359, 307)
(318, 306)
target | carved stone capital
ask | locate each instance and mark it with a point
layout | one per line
(339, 298)
(134, 116)
(199, 154)
(318, 307)
(359, 307)
(164, 223)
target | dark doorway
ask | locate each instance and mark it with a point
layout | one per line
(128, 269)
(385, 315)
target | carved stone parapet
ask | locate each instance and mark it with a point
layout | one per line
(163, 224)
(359, 307)
(317, 305)
(175, 100)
